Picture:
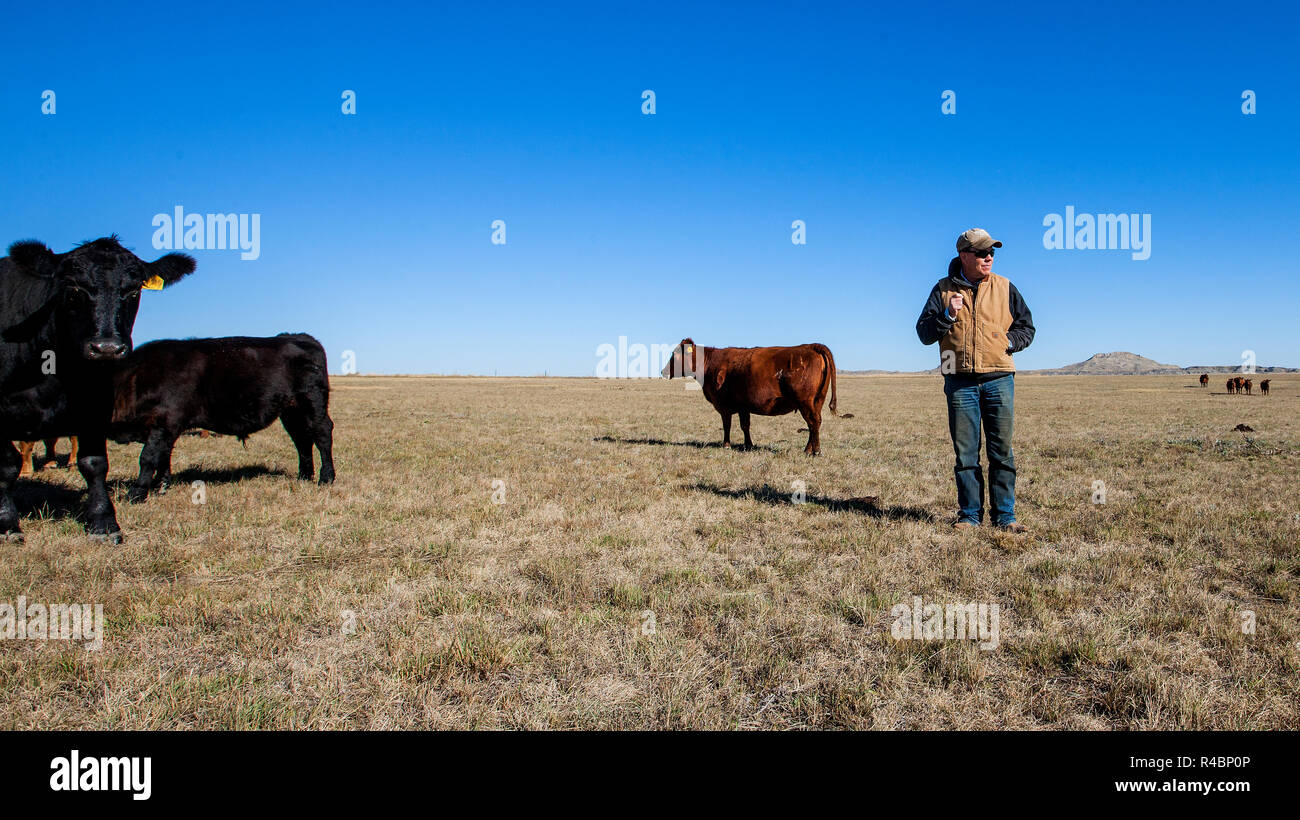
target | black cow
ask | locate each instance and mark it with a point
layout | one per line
(235, 385)
(65, 319)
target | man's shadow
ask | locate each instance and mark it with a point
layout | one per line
(698, 445)
(867, 506)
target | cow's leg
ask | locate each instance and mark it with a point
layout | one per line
(726, 428)
(162, 472)
(744, 428)
(323, 431)
(92, 461)
(25, 449)
(72, 457)
(298, 429)
(155, 459)
(10, 462)
(51, 457)
(814, 420)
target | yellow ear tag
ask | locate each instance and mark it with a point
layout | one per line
(690, 348)
(153, 283)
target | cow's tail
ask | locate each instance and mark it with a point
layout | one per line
(830, 368)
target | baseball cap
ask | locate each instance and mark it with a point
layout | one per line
(976, 239)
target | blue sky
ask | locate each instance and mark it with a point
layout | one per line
(376, 227)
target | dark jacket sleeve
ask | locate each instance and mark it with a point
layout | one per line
(1021, 332)
(934, 323)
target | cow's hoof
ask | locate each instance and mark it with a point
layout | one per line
(14, 537)
(136, 496)
(326, 480)
(107, 537)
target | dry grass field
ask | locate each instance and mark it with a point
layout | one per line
(618, 501)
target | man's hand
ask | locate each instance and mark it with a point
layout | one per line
(955, 303)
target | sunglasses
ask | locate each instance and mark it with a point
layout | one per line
(982, 254)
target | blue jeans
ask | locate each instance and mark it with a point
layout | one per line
(971, 404)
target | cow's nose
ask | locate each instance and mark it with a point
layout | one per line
(105, 349)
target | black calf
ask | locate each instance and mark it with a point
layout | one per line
(236, 386)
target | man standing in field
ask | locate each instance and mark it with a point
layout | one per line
(979, 320)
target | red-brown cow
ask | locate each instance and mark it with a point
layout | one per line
(1263, 387)
(1205, 379)
(26, 451)
(1246, 384)
(1232, 386)
(769, 381)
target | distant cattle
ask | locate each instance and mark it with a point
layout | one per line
(1232, 385)
(1205, 380)
(234, 386)
(26, 449)
(1263, 387)
(65, 319)
(768, 381)
(1246, 384)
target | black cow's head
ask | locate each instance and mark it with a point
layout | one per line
(687, 360)
(96, 292)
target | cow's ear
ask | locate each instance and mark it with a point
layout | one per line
(718, 375)
(33, 258)
(169, 270)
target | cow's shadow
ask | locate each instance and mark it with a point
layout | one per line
(210, 475)
(861, 506)
(41, 499)
(698, 445)
(59, 462)
(35, 498)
